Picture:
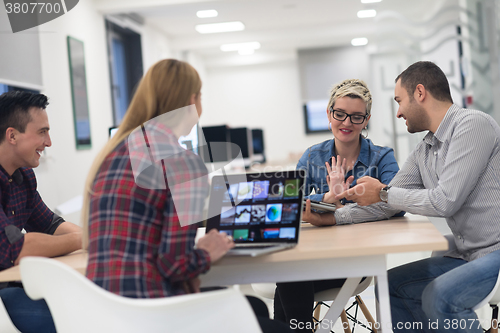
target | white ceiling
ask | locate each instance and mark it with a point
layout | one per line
(279, 25)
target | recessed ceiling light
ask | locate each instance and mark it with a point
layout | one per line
(240, 46)
(219, 27)
(370, 1)
(246, 51)
(207, 13)
(359, 41)
(367, 13)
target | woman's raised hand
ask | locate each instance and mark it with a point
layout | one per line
(336, 179)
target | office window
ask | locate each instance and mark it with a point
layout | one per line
(125, 63)
(6, 88)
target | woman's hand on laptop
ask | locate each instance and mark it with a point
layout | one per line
(317, 219)
(216, 244)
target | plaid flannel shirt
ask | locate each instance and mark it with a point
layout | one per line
(21, 207)
(137, 247)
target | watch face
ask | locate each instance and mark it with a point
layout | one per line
(384, 194)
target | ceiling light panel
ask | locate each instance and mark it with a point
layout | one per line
(240, 46)
(359, 41)
(246, 51)
(367, 13)
(219, 27)
(207, 13)
(370, 1)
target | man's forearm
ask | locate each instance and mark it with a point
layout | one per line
(43, 245)
(66, 228)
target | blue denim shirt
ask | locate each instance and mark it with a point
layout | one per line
(374, 161)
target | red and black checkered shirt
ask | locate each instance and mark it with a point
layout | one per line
(21, 207)
(137, 247)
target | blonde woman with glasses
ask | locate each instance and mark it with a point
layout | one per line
(332, 167)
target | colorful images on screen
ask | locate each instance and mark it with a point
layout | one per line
(292, 188)
(273, 212)
(258, 213)
(287, 233)
(245, 191)
(227, 232)
(290, 212)
(276, 190)
(227, 215)
(243, 214)
(260, 189)
(232, 193)
(271, 233)
(241, 234)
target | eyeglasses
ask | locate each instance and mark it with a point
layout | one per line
(341, 116)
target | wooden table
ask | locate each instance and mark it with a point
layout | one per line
(77, 260)
(350, 251)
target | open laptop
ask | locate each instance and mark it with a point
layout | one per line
(261, 211)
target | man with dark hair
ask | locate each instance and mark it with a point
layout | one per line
(453, 173)
(24, 135)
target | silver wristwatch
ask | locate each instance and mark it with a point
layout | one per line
(384, 194)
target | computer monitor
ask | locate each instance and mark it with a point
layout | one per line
(242, 138)
(189, 142)
(219, 152)
(112, 131)
(258, 145)
(315, 116)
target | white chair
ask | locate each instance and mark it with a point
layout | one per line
(6, 325)
(267, 290)
(493, 297)
(78, 305)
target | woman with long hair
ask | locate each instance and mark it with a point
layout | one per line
(145, 194)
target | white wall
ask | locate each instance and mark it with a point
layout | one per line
(63, 169)
(263, 96)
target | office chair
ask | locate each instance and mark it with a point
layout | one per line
(493, 297)
(80, 306)
(267, 290)
(6, 325)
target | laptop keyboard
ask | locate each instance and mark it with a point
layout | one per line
(250, 247)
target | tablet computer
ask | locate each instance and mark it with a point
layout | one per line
(321, 206)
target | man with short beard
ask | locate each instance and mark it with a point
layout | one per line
(453, 173)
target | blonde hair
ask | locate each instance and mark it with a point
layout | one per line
(353, 88)
(168, 85)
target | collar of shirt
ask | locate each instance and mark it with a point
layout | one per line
(364, 153)
(442, 132)
(17, 176)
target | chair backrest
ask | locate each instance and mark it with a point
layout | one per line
(6, 325)
(79, 305)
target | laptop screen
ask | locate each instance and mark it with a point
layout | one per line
(260, 207)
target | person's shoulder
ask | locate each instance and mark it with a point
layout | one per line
(322, 146)
(461, 114)
(377, 149)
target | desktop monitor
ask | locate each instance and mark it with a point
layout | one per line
(112, 131)
(242, 139)
(219, 152)
(316, 120)
(258, 145)
(189, 142)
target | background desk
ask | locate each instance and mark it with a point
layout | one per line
(350, 251)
